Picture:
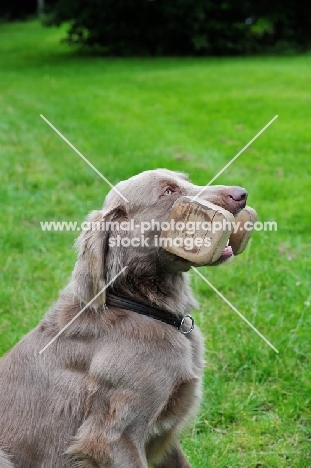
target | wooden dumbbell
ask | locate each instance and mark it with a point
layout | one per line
(246, 219)
(212, 229)
(202, 245)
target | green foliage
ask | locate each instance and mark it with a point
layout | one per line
(193, 115)
(184, 27)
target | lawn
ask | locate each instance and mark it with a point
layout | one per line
(194, 115)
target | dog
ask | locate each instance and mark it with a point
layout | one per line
(123, 378)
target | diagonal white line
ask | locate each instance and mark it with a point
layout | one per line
(83, 157)
(235, 310)
(236, 156)
(82, 310)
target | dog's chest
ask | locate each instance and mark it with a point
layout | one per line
(180, 407)
(153, 387)
(183, 391)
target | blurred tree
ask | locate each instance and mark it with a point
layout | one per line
(289, 22)
(40, 7)
(166, 27)
(177, 27)
(122, 27)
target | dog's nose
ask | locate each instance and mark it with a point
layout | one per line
(236, 199)
(238, 194)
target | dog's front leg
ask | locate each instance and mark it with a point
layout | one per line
(104, 447)
(101, 454)
(174, 459)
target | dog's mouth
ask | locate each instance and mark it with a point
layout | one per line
(226, 254)
(240, 235)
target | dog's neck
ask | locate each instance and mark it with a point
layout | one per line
(170, 292)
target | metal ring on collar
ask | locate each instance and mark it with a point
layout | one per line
(186, 332)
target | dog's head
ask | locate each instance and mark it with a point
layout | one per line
(127, 231)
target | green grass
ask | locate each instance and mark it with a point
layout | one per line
(127, 115)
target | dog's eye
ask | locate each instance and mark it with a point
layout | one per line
(168, 192)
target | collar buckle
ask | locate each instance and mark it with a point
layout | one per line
(182, 323)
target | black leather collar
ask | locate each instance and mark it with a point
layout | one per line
(178, 321)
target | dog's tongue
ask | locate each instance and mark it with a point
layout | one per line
(239, 239)
(226, 254)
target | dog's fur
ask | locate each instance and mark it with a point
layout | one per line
(116, 388)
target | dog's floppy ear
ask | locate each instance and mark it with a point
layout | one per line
(88, 277)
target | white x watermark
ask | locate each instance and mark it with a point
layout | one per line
(210, 182)
(84, 158)
(236, 156)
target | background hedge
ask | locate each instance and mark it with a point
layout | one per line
(178, 27)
